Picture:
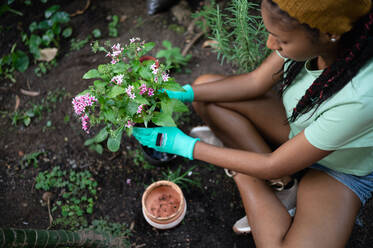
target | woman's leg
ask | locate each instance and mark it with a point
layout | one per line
(247, 125)
(326, 211)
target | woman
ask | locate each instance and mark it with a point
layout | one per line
(323, 52)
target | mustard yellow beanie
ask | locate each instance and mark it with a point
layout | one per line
(328, 16)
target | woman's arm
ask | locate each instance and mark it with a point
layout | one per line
(294, 155)
(243, 86)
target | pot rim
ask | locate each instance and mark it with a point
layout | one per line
(155, 185)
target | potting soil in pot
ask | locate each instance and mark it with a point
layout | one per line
(163, 202)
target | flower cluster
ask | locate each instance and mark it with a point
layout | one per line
(131, 91)
(80, 103)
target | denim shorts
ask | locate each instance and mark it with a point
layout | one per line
(362, 186)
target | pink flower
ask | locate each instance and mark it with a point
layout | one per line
(140, 108)
(132, 40)
(117, 79)
(129, 124)
(165, 77)
(156, 79)
(142, 89)
(117, 50)
(154, 69)
(128, 181)
(129, 92)
(85, 123)
(150, 92)
(80, 102)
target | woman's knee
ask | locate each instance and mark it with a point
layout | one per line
(206, 78)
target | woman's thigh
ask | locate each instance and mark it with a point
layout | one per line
(265, 113)
(326, 212)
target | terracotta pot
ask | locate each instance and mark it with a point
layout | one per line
(163, 205)
(146, 57)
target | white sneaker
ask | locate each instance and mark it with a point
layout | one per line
(206, 135)
(288, 197)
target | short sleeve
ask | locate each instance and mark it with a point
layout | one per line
(344, 126)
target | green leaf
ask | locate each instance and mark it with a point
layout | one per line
(172, 85)
(20, 61)
(34, 43)
(141, 100)
(49, 12)
(98, 148)
(89, 142)
(163, 119)
(102, 135)
(148, 46)
(60, 17)
(131, 108)
(110, 115)
(48, 37)
(44, 25)
(67, 32)
(113, 142)
(116, 91)
(173, 105)
(96, 33)
(167, 44)
(145, 73)
(93, 73)
(27, 121)
(120, 67)
(33, 26)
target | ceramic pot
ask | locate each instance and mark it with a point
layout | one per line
(163, 205)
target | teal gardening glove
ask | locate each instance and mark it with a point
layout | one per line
(166, 139)
(184, 96)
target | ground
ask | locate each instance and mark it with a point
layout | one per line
(212, 209)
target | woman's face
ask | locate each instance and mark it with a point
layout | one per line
(294, 43)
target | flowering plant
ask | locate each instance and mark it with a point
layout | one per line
(129, 90)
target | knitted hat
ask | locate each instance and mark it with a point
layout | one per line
(328, 16)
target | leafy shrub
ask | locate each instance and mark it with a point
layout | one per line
(240, 36)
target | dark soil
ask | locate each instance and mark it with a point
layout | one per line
(212, 209)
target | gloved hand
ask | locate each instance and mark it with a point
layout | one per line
(166, 139)
(184, 96)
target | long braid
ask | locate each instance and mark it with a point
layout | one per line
(357, 49)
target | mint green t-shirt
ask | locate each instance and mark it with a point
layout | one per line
(343, 123)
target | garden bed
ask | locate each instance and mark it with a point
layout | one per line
(53, 137)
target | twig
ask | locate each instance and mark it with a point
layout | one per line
(191, 43)
(18, 101)
(79, 12)
(49, 212)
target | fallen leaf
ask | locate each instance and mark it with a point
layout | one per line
(209, 43)
(21, 153)
(123, 18)
(18, 101)
(30, 93)
(47, 54)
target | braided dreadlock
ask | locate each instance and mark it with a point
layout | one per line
(356, 50)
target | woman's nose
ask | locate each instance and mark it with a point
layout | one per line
(272, 43)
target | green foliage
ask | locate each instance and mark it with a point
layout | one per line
(31, 158)
(96, 33)
(137, 156)
(113, 31)
(48, 31)
(10, 237)
(77, 44)
(110, 228)
(44, 67)
(240, 35)
(94, 143)
(16, 60)
(182, 179)
(47, 104)
(136, 97)
(174, 58)
(77, 192)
